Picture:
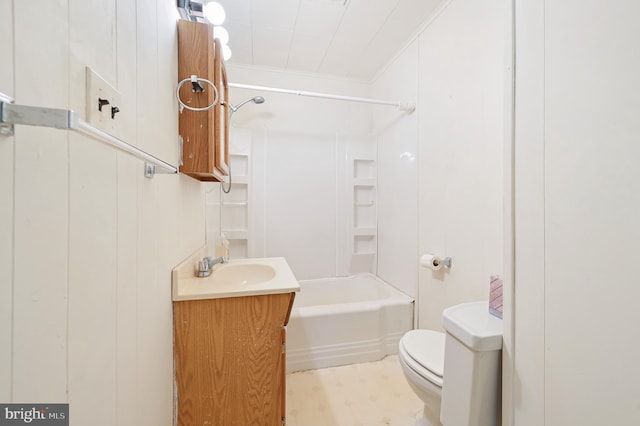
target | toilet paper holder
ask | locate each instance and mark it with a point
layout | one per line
(434, 262)
(446, 262)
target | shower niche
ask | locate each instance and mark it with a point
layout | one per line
(235, 208)
(363, 239)
(230, 213)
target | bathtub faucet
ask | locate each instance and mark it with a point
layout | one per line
(205, 266)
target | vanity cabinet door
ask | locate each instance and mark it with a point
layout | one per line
(221, 113)
(229, 360)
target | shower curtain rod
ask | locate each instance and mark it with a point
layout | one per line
(402, 106)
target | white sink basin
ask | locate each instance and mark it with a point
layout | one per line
(242, 273)
(236, 278)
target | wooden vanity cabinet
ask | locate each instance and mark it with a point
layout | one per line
(204, 134)
(230, 360)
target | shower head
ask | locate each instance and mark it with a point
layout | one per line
(255, 99)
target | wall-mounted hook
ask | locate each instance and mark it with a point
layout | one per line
(101, 103)
(114, 111)
(195, 85)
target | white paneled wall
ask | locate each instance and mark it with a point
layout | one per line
(86, 242)
(440, 168)
(41, 208)
(300, 212)
(461, 116)
(528, 355)
(397, 139)
(127, 386)
(6, 206)
(577, 184)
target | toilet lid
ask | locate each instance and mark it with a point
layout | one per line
(426, 347)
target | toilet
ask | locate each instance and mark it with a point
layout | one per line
(457, 373)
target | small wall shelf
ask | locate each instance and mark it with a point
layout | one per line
(242, 179)
(236, 234)
(364, 244)
(368, 181)
(364, 232)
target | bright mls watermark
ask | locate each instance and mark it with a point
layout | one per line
(34, 414)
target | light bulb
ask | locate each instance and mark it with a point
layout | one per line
(226, 52)
(221, 34)
(214, 12)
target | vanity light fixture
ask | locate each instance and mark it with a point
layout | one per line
(191, 10)
(201, 11)
(221, 34)
(214, 12)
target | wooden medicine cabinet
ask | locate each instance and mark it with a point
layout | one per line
(204, 133)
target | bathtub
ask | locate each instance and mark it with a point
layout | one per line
(340, 321)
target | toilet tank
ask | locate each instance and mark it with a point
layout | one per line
(471, 390)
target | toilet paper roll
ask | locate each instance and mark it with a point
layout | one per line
(431, 261)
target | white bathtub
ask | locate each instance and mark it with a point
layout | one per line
(340, 321)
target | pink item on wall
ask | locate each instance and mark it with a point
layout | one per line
(495, 296)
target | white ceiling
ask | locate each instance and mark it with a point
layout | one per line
(350, 38)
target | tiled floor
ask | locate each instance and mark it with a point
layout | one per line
(369, 394)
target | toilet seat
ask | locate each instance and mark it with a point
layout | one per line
(423, 351)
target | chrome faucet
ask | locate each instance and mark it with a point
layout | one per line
(205, 266)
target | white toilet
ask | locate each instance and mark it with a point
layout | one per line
(457, 374)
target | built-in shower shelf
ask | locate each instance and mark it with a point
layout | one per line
(240, 179)
(235, 203)
(236, 234)
(363, 198)
(365, 232)
(364, 182)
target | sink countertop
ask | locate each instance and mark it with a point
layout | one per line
(187, 286)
